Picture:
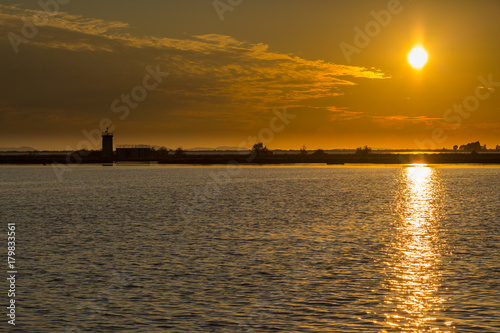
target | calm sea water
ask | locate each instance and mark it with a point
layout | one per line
(254, 249)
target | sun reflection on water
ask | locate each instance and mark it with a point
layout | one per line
(413, 275)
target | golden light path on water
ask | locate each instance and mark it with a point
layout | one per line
(413, 275)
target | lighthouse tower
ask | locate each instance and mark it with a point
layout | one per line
(107, 147)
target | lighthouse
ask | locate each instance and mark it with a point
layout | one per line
(107, 147)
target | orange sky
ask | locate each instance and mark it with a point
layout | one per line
(339, 67)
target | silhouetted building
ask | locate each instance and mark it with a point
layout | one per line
(134, 153)
(107, 147)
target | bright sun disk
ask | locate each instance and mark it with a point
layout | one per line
(417, 57)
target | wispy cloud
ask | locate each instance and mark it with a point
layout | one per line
(83, 64)
(402, 121)
(208, 65)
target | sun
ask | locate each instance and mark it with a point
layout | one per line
(417, 57)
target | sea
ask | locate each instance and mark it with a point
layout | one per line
(296, 248)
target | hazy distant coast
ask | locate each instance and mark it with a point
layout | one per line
(280, 157)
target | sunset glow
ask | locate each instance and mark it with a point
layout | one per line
(382, 75)
(250, 166)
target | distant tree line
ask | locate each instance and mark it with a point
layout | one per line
(363, 150)
(261, 150)
(471, 146)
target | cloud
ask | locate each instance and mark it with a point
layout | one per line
(59, 19)
(402, 121)
(76, 66)
(209, 65)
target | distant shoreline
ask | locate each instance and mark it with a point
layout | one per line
(270, 159)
